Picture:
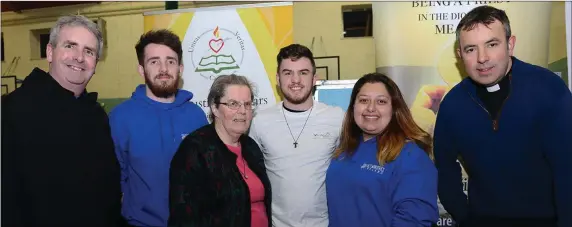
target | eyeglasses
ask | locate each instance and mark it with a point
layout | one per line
(235, 105)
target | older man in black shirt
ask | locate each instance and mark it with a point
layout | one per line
(58, 161)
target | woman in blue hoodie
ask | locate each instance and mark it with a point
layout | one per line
(382, 173)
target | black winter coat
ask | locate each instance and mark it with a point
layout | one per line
(206, 187)
(58, 162)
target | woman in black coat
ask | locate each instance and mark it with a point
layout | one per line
(217, 176)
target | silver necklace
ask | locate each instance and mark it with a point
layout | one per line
(303, 127)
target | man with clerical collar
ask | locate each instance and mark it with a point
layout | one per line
(297, 137)
(493, 95)
(509, 124)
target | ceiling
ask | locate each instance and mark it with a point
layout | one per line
(18, 6)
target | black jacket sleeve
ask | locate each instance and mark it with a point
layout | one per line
(190, 193)
(12, 190)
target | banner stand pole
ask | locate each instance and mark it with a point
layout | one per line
(568, 23)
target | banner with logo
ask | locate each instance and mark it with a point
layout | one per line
(240, 39)
(415, 46)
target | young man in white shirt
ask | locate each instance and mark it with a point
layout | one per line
(297, 137)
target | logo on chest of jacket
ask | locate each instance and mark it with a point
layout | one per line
(323, 135)
(373, 168)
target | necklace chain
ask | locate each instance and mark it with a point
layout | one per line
(303, 127)
(243, 163)
(244, 167)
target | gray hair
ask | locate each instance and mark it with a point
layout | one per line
(77, 20)
(221, 83)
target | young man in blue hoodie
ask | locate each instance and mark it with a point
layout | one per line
(148, 128)
(509, 123)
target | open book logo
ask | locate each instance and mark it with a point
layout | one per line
(217, 51)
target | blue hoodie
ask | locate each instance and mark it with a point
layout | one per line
(147, 134)
(401, 193)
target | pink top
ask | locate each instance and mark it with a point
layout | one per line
(257, 208)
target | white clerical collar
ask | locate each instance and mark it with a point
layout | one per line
(493, 88)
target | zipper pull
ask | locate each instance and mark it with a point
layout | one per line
(495, 125)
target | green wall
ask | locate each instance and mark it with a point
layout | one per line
(560, 66)
(109, 104)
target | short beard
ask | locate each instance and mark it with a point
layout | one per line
(162, 89)
(297, 101)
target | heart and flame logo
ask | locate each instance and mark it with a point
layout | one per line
(221, 50)
(217, 43)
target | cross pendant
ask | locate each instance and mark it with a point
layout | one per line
(295, 144)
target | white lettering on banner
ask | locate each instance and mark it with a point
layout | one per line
(445, 222)
(218, 43)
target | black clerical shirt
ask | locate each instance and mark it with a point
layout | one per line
(493, 101)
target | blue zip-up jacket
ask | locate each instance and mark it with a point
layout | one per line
(147, 134)
(521, 170)
(402, 193)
